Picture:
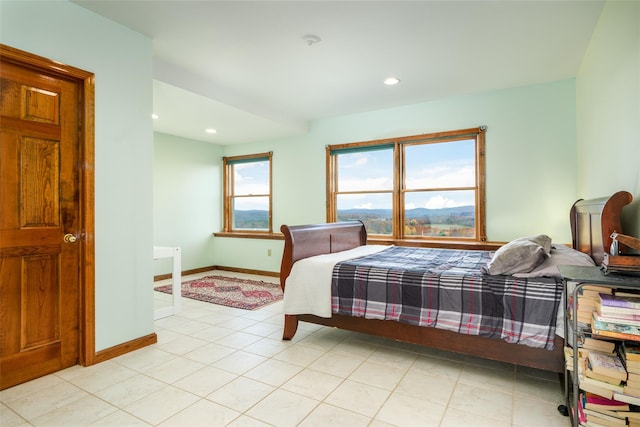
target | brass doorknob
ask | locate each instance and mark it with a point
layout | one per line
(70, 238)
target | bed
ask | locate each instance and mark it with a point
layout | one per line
(592, 223)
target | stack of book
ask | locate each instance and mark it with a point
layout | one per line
(586, 345)
(582, 359)
(605, 374)
(617, 316)
(609, 373)
(599, 411)
(630, 354)
(587, 299)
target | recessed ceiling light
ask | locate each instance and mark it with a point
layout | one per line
(391, 81)
(210, 130)
(154, 116)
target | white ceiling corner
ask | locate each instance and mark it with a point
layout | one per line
(244, 68)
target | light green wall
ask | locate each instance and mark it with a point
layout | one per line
(531, 163)
(608, 110)
(122, 62)
(532, 156)
(186, 199)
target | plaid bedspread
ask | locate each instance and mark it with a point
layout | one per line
(446, 289)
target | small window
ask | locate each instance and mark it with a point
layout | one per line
(247, 193)
(420, 187)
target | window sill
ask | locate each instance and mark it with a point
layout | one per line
(249, 235)
(445, 244)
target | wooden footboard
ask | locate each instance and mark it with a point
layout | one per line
(486, 348)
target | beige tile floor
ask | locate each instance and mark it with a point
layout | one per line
(218, 366)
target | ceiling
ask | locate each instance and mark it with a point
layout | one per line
(245, 69)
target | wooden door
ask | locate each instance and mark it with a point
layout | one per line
(40, 222)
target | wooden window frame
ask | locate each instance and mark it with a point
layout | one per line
(228, 164)
(398, 233)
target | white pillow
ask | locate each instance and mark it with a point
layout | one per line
(518, 256)
(541, 239)
(560, 255)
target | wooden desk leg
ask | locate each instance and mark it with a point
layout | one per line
(290, 326)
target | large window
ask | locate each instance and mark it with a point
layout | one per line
(247, 193)
(419, 187)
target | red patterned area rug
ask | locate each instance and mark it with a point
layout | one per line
(229, 291)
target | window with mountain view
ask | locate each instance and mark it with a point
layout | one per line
(247, 193)
(420, 187)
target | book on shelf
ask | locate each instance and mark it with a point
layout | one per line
(607, 364)
(622, 319)
(604, 334)
(592, 383)
(592, 387)
(619, 300)
(603, 346)
(633, 391)
(615, 311)
(588, 372)
(631, 351)
(626, 293)
(579, 411)
(588, 295)
(594, 421)
(568, 358)
(621, 397)
(586, 302)
(584, 319)
(631, 415)
(582, 352)
(604, 420)
(605, 330)
(615, 414)
(595, 290)
(586, 306)
(633, 376)
(596, 402)
(633, 387)
(632, 367)
(582, 358)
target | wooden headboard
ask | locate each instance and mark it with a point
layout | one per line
(593, 221)
(303, 241)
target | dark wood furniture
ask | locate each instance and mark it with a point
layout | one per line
(591, 220)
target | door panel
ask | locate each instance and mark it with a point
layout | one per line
(39, 203)
(39, 182)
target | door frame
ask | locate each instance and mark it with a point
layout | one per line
(86, 280)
